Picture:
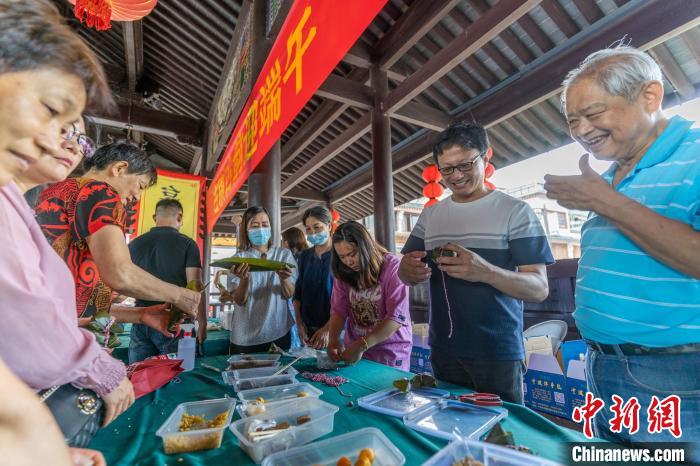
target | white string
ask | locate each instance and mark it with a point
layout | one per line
(447, 300)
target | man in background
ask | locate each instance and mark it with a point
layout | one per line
(174, 258)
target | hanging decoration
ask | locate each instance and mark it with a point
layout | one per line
(335, 215)
(100, 13)
(433, 190)
(489, 170)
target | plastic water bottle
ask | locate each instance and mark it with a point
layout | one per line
(186, 347)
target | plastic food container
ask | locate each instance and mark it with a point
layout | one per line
(328, 452)
(321, 413)
(175, 441)
(393, 402)
(451, 420)
(261, 372)
(487, 454)
(249, 361)
(275, 396)
(257, 382)
(323, 361)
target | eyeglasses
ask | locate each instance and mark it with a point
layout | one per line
(87, 146)
(462, 167)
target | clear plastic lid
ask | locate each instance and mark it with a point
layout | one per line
(451, 420)
(257, 382)
(486, 454)
(261, 400)
(280, 392)
(394, 402)
(241, 374)
(254, 357)
(328, 452)
(284, 427)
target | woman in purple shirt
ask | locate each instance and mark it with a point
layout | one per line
(368, 300)
(47, 75)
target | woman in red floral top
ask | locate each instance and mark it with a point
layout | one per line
(84, 220)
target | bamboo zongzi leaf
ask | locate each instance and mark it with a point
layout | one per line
(256, 264)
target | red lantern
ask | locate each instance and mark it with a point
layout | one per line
(431, 173)
(433, 190)
(100, 13)
(489, 170)
(335, 215)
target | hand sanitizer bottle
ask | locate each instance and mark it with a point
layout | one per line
(186, 347)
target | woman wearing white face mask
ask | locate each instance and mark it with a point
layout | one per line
(261, 314)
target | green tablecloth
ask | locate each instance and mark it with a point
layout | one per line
(216, 343)
(131, 439)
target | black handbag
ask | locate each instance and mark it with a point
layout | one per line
(79, 412)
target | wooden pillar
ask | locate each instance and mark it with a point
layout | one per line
(264, 188)
(381, 164)
(264, 184)
(206, 253)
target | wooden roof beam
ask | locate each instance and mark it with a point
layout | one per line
(212, 156)
(345, 139)
(114, 73)
(306, 195)
(132, 33)
(508, 36)
(294, 217)
(322, 117)
(361, 57)
(346, 91)
(560, 17)
(530, 118)
(649, 22)
(186, 130)
(490, 25)
(411, 26)
(590, 10)
(358, 95)
(673, 71)
(691, 39)
(404, 157)
(423, 115)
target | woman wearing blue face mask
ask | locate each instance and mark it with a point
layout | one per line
(261, 315)
(312, 295)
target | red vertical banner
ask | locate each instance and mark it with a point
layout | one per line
(315, 36)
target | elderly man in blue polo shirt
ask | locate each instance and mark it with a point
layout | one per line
(638, 293)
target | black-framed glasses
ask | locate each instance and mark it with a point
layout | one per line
(462, 167)
(87, 146)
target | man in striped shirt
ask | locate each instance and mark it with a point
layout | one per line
(638, 293)
(500, 253)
